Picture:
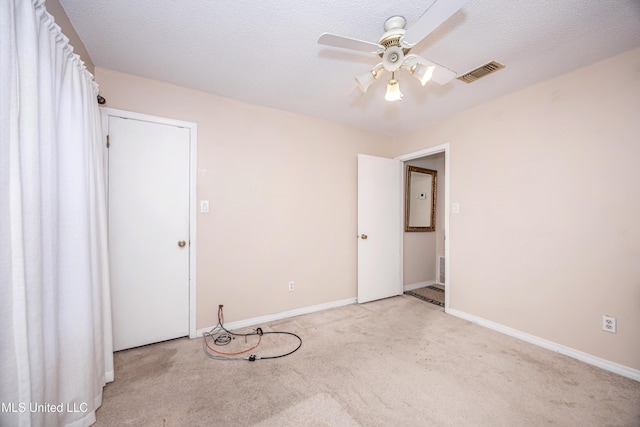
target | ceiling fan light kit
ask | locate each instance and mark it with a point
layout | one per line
(367, 79)
(393, 90)
(394, 47)
(422, 72)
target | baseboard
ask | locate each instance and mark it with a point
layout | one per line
(279, 316)
(607, 365)
(419, 285)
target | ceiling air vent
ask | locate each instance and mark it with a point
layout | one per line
(481, 71)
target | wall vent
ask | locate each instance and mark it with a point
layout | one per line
(441, 270)
(481, 71)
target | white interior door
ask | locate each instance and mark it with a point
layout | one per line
(148, 231)
(379, 228)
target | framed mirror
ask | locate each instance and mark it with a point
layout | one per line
(420, 199)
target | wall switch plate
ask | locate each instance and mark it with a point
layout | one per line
(455, 208)
(204, 206)
(291, 286)
(609, 324)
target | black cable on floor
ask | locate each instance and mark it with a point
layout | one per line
(224, 337)
(283, 355)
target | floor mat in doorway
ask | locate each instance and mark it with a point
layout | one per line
(432, 294)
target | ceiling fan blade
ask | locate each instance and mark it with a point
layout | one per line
(441, 75)
(439, 12)
(349, 43)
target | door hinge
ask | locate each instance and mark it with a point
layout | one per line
(108, 144)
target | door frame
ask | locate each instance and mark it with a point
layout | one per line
(193, 157)
(442, 148)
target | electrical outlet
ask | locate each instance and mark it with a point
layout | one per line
(291, 286)
(609, 324)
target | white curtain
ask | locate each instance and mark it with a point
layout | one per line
(55, 319)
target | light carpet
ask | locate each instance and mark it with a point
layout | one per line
(394, 362)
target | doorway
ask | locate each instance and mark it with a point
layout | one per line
(151, 182)
(425, 255)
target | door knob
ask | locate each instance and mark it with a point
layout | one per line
(181, 243)
(364, 237)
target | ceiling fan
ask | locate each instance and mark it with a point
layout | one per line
(394, 47)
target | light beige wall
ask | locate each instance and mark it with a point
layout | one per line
(421, 249)
(61, 18)
(283, 196)
(548, 235)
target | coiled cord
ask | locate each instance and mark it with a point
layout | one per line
(220, 336)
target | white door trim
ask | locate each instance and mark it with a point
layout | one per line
(442, 148)
(193, 157)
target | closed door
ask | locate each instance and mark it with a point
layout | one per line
(379, 228)
(148, 231)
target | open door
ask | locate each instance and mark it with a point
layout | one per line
(149, 230)
(379, 228)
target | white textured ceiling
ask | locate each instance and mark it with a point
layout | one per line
(266, 52)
